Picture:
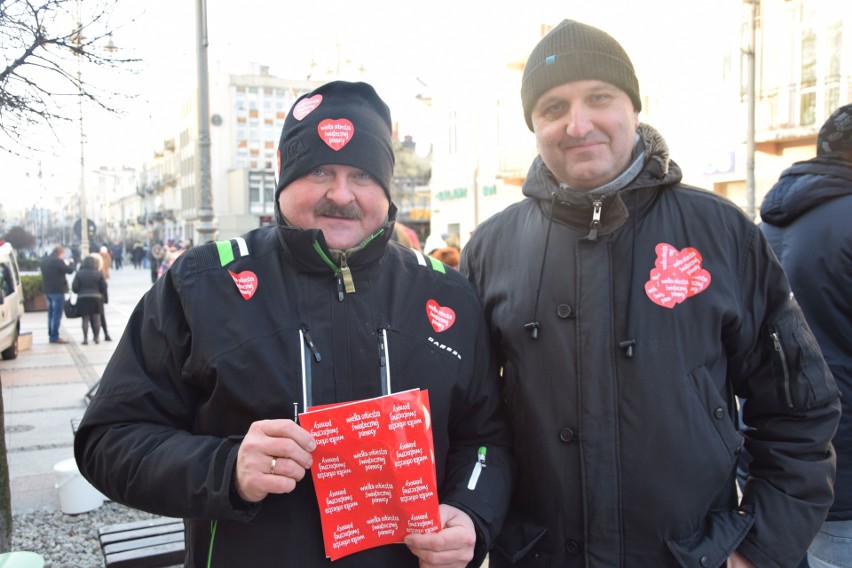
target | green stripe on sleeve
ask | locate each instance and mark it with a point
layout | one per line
(437, 265)
(226, 252)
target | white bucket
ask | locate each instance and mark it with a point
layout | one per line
(76, 495)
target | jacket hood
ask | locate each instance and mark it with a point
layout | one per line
(576, 205)
(803, 186)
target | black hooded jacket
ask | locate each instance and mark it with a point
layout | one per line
(623, 345)
(806, 218)
(200, 361)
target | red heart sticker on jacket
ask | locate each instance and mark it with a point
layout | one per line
(441, 317)
(676, 276)
(304, 107)
(336, 133)
(246, 282)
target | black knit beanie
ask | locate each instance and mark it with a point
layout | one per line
(835, 136)
(338, 123)
(573, 51)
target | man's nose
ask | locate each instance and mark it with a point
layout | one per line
(578, 122)
(340, 189)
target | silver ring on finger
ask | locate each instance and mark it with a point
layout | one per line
(272, 466)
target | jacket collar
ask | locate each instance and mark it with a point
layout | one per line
(308, 249)
(576, 208)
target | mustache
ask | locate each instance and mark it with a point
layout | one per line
(593, 137)
(326, 208)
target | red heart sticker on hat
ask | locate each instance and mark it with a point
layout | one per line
(246, 282)
(676, 276)
(336, 133)
(304, 107)
(441, 317)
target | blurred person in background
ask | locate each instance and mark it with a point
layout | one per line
(806, 218)
(91, 288)
(55, 286)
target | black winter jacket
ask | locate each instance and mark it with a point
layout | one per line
(806, 220)
(199, 362)
(53, 271)
(89, 282)
(624, 343)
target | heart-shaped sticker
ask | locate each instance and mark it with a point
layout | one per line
(441, 317)
(336, 133)
(676, 276)
(304, 107)
(246, 282)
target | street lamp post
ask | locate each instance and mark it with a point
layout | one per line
(84, 219)
(206, 227)
(750, 102)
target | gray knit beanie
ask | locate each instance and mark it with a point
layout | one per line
(573, 51)
(835, 136)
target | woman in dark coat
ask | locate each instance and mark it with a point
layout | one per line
(91, 289)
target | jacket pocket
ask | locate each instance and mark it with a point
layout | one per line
(718, 411)
(518, 536)
(715, 541)
(803, 377)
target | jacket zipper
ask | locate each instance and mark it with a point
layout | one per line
(308, 350)
(384, 363)
(345, 275)
(779, 348)
(595, 226)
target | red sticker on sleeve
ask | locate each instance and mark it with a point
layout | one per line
(676, 276)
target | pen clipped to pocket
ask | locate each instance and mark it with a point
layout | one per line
(477, 468)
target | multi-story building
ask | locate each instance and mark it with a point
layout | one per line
(247, 115)
(247, 112)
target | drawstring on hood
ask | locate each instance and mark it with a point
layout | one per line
(534, 325)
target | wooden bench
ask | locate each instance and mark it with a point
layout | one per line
(155, 543)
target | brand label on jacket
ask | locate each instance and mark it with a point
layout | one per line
(676, 276)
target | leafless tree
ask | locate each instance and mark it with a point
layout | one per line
(45, 44)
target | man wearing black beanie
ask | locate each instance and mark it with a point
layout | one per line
(197, 413)
(631, 315)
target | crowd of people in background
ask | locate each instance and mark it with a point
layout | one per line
(91, 274)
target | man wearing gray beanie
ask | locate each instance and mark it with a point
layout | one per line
(631, 313)
(197, 413)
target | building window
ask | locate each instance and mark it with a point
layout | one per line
(807, 97)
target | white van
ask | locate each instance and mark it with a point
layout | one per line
(11, 302)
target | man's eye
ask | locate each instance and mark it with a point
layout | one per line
(554, 109)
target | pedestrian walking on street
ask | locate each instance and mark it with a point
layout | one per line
(805, 217)
(155, 257)
(629, 312)
(91, 288)
(55, 286)
(103, 266)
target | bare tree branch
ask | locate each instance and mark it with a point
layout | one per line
(47, 47)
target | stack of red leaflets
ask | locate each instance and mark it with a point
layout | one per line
(374, 471)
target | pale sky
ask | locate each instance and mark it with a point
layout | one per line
(440, 42)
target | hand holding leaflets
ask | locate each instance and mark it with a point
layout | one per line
(374, 471)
